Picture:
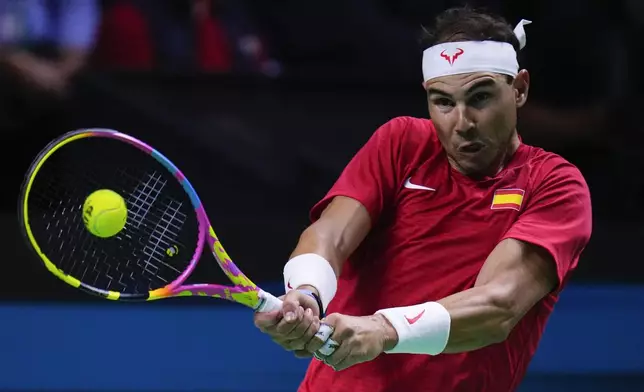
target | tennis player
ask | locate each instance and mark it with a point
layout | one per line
(441, 250)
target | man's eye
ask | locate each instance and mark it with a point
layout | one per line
(480, 97)
(442, 102)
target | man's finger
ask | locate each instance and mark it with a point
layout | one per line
(267, 320)
(302, 354)
(290, 306)
(320, 337)
(338, 355)
(312, 330)
(285, 326)
(304, 331)
(302, 326)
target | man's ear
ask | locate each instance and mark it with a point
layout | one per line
(521, 85)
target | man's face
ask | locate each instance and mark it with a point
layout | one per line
(476, 115)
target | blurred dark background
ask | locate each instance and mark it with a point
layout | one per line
(261, 104)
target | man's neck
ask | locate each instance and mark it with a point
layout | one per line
(513, 146)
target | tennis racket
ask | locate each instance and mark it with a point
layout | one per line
(165, 231)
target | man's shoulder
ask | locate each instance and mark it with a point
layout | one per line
(404, 125)
(409, 131)
(547, 166)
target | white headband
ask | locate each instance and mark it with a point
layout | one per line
(453, 58)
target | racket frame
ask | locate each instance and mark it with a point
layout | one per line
(244, 291)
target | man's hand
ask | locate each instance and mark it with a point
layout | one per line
(361, 339)
(294, 325)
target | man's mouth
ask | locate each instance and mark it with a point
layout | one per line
(471, 147)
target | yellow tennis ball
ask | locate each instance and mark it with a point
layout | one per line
(104, 213)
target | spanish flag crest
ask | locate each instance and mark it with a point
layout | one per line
(505, 199)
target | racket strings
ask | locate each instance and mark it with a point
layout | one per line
(148, 253)
(163, 237)
(143, 197)
(160, 243)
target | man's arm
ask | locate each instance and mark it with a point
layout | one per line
(513, 279)
(343, 225)
(534, 257)
(515, 276)
(316, 262)
(342, 219)
(345, 215)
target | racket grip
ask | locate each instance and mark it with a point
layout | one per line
(268, 303)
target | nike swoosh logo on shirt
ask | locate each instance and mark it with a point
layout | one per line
(413, 320)
(410, 185)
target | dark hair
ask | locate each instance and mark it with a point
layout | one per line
(468, 24)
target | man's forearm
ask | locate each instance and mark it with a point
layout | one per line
(324, 246)
(479, 317)
(315, 240)
(314, 266)
(337, 233)
(513, 279)
(466, 321)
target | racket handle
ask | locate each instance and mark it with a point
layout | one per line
(269, 302)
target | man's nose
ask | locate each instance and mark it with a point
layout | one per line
(464, 124)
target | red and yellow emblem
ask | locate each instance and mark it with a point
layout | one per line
(508, 199)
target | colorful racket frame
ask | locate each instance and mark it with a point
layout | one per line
(244, 290)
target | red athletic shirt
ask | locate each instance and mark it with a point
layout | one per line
(427, 244)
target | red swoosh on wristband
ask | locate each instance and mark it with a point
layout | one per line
(414, 319)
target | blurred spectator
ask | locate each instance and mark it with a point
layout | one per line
(123, 40)
(181, 35)
(46, 42)
(249, 46)
(213, 49)
(342, 39)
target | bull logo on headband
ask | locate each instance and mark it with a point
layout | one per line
(451, 57)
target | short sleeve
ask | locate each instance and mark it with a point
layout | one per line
(558, 218)
(371, 175)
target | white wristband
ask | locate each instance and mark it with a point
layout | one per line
(422, 329)
(313, 270)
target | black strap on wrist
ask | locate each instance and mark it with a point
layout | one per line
(316, 298)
